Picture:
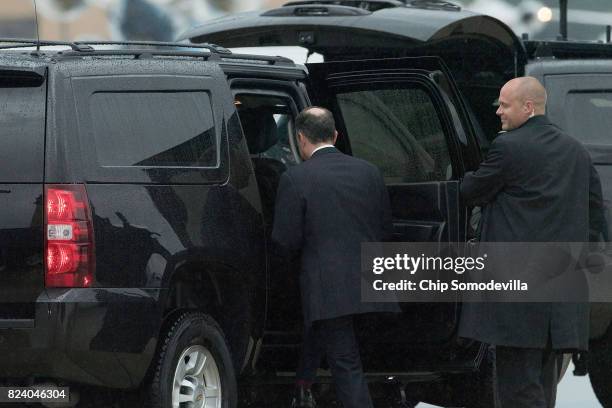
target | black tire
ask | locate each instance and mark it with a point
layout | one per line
(199, 335)
(600, 370)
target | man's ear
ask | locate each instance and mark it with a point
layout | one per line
(529, 107)
(335, 137)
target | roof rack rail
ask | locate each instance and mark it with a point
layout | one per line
(86, 46)
(568, 49)
(137, 53)
(265, 58)
(24, 43)
(210, 47)
(147, 53)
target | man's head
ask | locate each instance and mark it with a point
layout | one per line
(520, 99)
(314, 127)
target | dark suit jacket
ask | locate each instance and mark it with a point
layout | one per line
(326, 207)
(535, 185)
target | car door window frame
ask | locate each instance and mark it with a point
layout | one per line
(282, 89)
(351, 84)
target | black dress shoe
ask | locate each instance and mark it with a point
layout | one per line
(303, 399)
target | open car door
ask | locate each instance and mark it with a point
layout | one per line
(405, 116)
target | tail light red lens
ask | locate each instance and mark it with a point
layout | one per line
(69, 243)
(62, 205)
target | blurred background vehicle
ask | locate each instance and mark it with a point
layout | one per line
(165, 19)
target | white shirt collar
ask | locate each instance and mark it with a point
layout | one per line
(321, 147)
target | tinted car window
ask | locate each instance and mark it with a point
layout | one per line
(168, 129)
(267, 122)
(591, 114)
(398, 130)
(22, 132)
(282, 150)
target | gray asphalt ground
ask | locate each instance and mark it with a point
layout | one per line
(573, 392)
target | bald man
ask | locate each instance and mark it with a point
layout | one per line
(534, 186)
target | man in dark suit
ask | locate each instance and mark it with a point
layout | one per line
(325, 208)
(535, 184)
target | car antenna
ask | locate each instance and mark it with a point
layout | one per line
(37, 32)
(563, 20)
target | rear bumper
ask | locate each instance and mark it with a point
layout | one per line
(93, 336)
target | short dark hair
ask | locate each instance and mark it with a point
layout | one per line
(317, 124)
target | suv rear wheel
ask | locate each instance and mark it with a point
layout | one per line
(194, 367)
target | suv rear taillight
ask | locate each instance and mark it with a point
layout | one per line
(69, 247)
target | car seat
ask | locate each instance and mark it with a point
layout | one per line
(261, 133)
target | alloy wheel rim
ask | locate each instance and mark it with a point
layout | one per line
(197, 381)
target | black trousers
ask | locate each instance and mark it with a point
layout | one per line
(335, 340)
(526, 378)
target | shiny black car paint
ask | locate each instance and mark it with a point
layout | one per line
(24, 92)
(185, 238)
(165, 239)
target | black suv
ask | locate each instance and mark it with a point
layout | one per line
(138, 193)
